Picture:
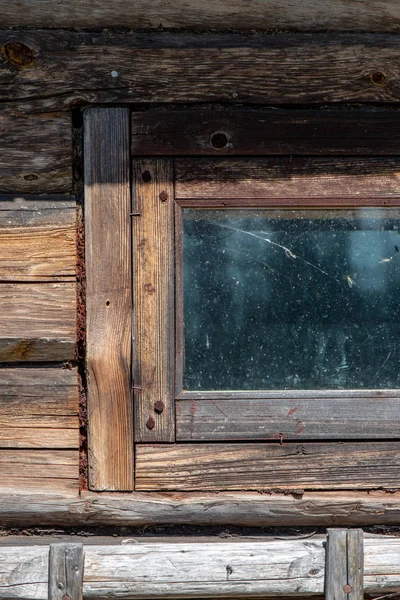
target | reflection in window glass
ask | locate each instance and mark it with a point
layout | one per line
(291, 299)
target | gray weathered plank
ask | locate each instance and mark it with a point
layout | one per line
(39, 408)
(215, 467)
(38, 243)
(351, 179)
(143, 67)
(37, 322)
(309, 15)
(355, 564)
(336, 565)
(109, 302)
(341, 417)
(250, 131)
(153, 286)
(36, 148)
(65, 571)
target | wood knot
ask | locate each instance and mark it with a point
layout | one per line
(18, 55)
(378, 78)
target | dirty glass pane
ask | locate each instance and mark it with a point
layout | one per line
(291, 299)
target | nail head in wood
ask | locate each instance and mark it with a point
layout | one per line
(159, 406)
(65, 571)
(150, 424)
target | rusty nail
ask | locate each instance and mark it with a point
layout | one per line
(163, 196)
(347, 588)
(66, 597)
(159, 406)
(150, 423)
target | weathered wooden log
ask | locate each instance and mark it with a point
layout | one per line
(173, 569)
(67, 67)
(309, 15)
(234, 508)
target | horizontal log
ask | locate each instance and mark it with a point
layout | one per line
(180, 569)
(355, 180)
(37, 244)
(54, 471)
(67, 67)
(315, 418)
(309, 15)
(225, 508)
(207, 131)
(36, 149)
(37, 322)
(266, 467)
(39, 408)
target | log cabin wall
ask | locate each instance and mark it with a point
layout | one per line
(298, 60)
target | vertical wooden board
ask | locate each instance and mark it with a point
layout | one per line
(153, 251)
(336, 564)
(355, 564)
(65, 571)
(109, 303)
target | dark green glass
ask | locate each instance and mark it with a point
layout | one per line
(291, 299)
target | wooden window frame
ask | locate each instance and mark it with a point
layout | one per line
(107, 199)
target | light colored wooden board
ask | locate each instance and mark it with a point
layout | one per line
(139, 509)
(54, 471)
(290, 177)
(288, 419)
(39, 408)
(36, 148)
(309, 15)
(355, 563)
(153, 284)
(68, 67)
(37, 245)
(254, 131)
(267, 467)
(109, 302)
(37, 322)
(233, 569)
(336, 564)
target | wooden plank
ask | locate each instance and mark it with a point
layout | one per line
(169, 67)
(247, 131)
(354, 179)
(313, 418)
(65, 571)
(153, 245)
(38, 471)
(355, 564)
(138, 509)
(37, 322)
(217, 467)
(39, 408)
(309, 15)
(36, 148)
(37, 244)
(109, 303)
(336, 565)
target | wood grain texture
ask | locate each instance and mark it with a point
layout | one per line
(76, 67)
(109, 303)
(264, 567)
(153, 251)
(251, 131)
(216, 14)
(137, 509)
(336, 564)
(341, 417)
(65, 571)
(353, 179)
(39, 408)
(35, 471)
(36, 148)
(37, 322)
(355, 563)
(37, 244)
(214, 467)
